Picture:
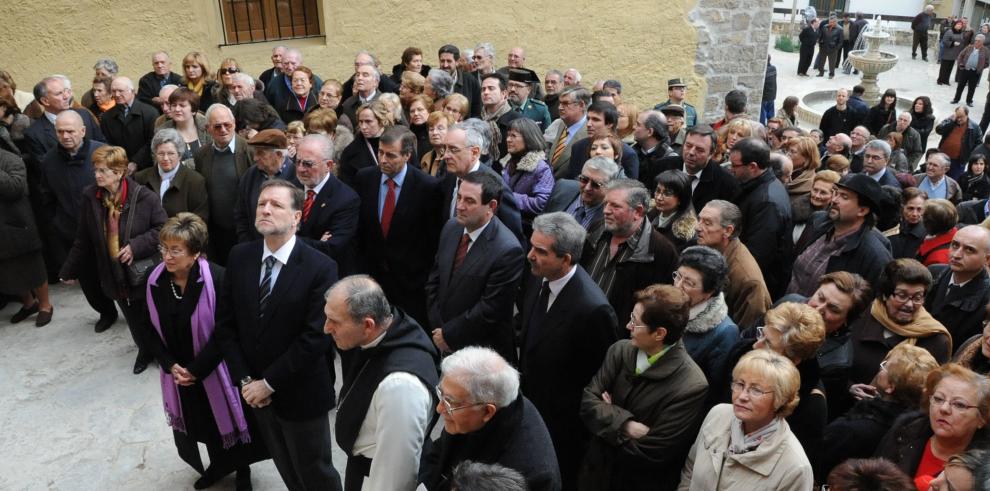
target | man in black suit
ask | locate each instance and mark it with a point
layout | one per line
(54, 94)
(397, 247)
(474, 280)
(567, 326)
(271, 161)
(385, 84)
(653, 147)
(708, 179)
(152, 82)
(330, 212)
(267, 75)
(973, 212)
(960, 291)
(602, 116)
(279, 91)
(464, 83)
(271, 333)
(130, 123)
(875, 157)
(366, 81)
(463, 155)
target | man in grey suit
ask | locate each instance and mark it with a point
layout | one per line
(584, 198)
(479, 263)
(570, 128)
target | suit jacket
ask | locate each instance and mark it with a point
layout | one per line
(960, 309)
(888, 179)
(713, 183)
(561, 165)
(402, 261)
(468, 86)
(473, 305)
(133, 132)
(507, 212)
(558, 357)
(40, 137)
(278, 93)
(148, 86)
(248, 191)
(972, 212)
(285, 344)
(186, 192)
(565, 191)
(335, 210)
(579, 155)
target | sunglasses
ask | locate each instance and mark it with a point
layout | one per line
(229, 70)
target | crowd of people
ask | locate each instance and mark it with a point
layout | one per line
(582, 293)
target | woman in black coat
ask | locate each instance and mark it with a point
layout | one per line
(182, 304)
(372, 121)
(885, 112)
(922, 118)
(975, 182)
(118, 226)
(808, 39)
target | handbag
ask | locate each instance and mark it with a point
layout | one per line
(139, 268)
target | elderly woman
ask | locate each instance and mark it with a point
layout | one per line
(419, 114)
(187, 120)
(180, 188)
(897, 316)
(940, 218)
(820, 197)
(325, 122)
(202, 403)
(642, 403)
(372, 120)
(303, 98)
(967, 471)
(838, 164)
(525, 169)
(432, 162)
(394, 106)
(749, 444)
(954, 413)
(119, 221)
(709, 335)
(104, 68)
(24, 275)
(330, 98)
(804, 155)
(911, 232)
(673, 214)
(975, 182)
(457, 106)
(974, 353)
(411, 86)
(102, 102)
(439, 84)
(198, 77)
(899, 385)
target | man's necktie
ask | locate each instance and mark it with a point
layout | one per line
(126, 110)
(266, 285)
(462, 250)
(580, 213)
(308, 204)
(389, 207)
(561, 143)
(539, 313)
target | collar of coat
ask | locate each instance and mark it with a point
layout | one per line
(712, 316)
(527, 163)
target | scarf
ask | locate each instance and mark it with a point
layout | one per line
(712, 315)
(923, 326)
(492, 120)
(106, 106)
(197, 87)
(114, 203)
(801, 183)
(742, 443)
(528, 163)
(225, 400)
(974, 179)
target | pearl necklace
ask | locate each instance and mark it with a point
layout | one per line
(175, 292)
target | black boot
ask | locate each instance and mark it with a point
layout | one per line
(243, 481)
(208, 479)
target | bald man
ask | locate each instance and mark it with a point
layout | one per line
(130, 123)
(960, 291)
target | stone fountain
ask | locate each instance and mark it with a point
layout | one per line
(872, 62)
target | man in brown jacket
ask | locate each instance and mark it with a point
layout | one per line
(747, 295)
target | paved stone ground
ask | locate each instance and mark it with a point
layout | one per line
(74, 417)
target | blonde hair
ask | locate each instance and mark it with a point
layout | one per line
(380, 111)
(115, 158)
(959, 372)
(829, 176)
(805, 145)
(195, 57)
(779, 372)
(295, 128)
(837, 164)
(907, 369)
(801, 328)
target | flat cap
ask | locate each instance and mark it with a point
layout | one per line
(270, 138)
(675, 109)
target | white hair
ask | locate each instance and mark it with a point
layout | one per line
(485, 375)
(218, 107)
(243, 77)
(488, 48)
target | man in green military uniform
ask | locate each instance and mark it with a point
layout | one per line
(676, 92)
(521, 82)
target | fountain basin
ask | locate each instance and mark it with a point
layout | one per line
(813, 105)
(872, 62)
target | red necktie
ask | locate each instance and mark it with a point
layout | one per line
(308, 204)
(462, 250)
(389, 207)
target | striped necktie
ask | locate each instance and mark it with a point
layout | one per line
(561, 143)
(266, 285)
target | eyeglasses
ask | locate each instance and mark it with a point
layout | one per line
(170, 155)
(228, 70)
(584, 180)
(679, 278)
(102, 170)
(453, 150)
(567, 103)
(632, 322)
(956, 405)
(761, 334)
(872, 157)
(903, 297)
(667, 193)
(170, 252)
(883, 365)
(308, 164)
(448, 405)
(225, 126)
(753, 391)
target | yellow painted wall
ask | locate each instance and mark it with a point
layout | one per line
(640, 42)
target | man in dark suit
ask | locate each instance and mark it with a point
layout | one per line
(222, 164)
(960, 291)
(587, 206)
(565, 193)
(653, 147)
(973, 212)
(708, 179)
(602, 116)
(366, 80)
(875, 158)
(130, 123)
(385, 84)
(465, 84)
(271, 161)
(152, 82)
(570, 128)
(464, 146)
(474, 280)
(267, 75)
(330, 212)
(279, 91)
(54, 94)
(398, 255)
(270, 327)
(567, 326)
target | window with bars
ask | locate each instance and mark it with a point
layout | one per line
(255, 21)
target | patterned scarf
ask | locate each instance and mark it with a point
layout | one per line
(742, 443)
(114, 203)
(492, 120)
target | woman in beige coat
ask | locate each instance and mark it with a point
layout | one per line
(748, 444)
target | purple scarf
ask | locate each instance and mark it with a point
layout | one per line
(225, 401)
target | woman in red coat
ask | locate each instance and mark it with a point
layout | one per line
(940, 219)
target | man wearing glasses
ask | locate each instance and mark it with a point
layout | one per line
(486, 419)
(570, 128)
(584, 198)
(390, 374)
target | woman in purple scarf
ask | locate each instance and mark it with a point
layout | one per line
(202, 403)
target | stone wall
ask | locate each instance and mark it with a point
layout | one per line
(733, 36)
